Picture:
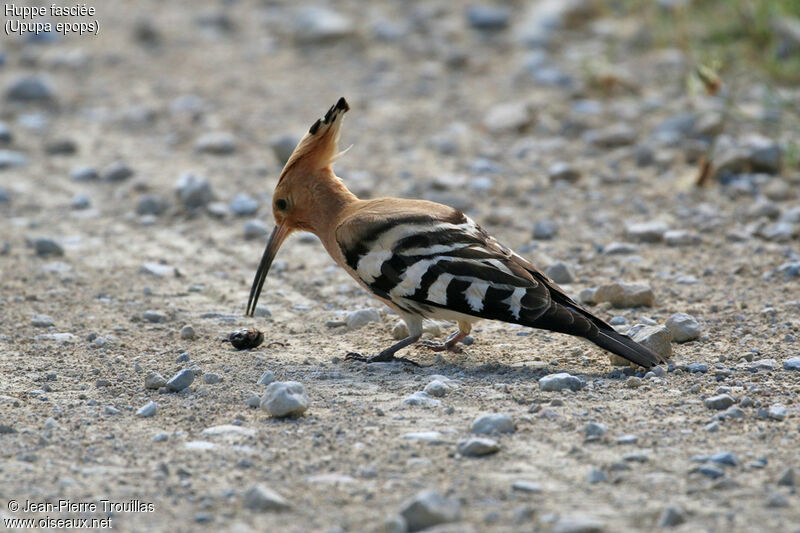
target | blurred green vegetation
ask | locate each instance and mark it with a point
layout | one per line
(728, 35)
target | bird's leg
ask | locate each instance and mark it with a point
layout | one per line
(387, 355)
(451, 344)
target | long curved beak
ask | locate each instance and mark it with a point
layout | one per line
(279, 234)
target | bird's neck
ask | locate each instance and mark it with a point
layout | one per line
(331, 199)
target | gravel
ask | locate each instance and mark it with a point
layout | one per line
(151, 204)
(671, 516)
(793, 363)
(319, 25)
(559, 382)
(719, 402)
(148, 410)
(212, 378)
(188, 333)
(578, 525)
(622, 295)
(646, 231)
(477, 447)
(285, 398)
(255, 229)
(437, 388)
(261, 498)
(594, 431)
(216, 143)
(30, 89)
(266, 378)
(181, 380)
(493, 423)
(46, 247)
(657, 338)
(154, 380)
(427, 509)
(683, 327)
(545, 230)
(193, 191)
(488, 18)
(116, 172)
(154, 317)
(41, 321)
(243, 205)
(777, 412)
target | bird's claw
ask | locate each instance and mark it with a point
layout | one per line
(380, 358)
(442, 346)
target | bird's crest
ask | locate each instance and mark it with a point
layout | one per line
(319, 147)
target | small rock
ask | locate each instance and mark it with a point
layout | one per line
(763, 364)
(5, 134)
(41, 321)
(427, 509)
(242, 205)
(181, 380)
(154, 380)
(724, 458)
(620, 248)
(266, 378)
(255, 229)
(625, 295)
(154, 317)
(316, 25)
(681, 238)
(671, 516)
(61, 147)
(188, 333)
(683, 327)
(511, 117)
(158, 270)
(283, 146)
(562, 171)
(646, 231)
(285, 398)
(11, 159)
(633, 382)
(523, 485)
(216, 143)
(148, 410)
(627, 439)
(253, 401)
(116, 172)
(84, 174)
(596, 476)
(559, 382)
(578, 525)
(657, 338)
(544, 230)
(437, 388)
(394, 524)
(792, 363)
(362, 317)
(488, 18)
(493, 423)
(777, 412)
(80, 201)
(697, 368)
(787, 478)
(212, 378)
(262, 498)
(151, 204)
(711, 471)
(594, 431)
(560, 272)
(421, 398)
(46, 246)
(30, 89)
(719, 402)
(778, 232)
(477, 446)
(193, 191)
(612, 136)
(777, 500)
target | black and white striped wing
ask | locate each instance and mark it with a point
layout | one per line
(424, 262)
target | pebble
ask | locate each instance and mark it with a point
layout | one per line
(563, 171)
(394, 524)
(255, 229)
(262, 498)
(421, 398)
(477, 447)
(162, 436)
(625, 295)
(683, 327)
(697, 368)
(671, 516)
(360, 318)
(253, 401)
(596, 476)
(792, 363)
(154, 380)
(212, 378)
(763, 364)
(80, 201)
(712, 427)
(10, 159)
(315, 25)
(282, 147)
(627, 439)
(30, 89)
(733, 412)
(116, 172)
(285, 398)
(45, 246)
(544, 230)
(559, 382)
(158, 270)
(778, 232)
(427, 509)
(657, 338)
(181, 380)
(777, 412)
(612, 136)
(437, 388)
(42, 321)
(242, 205)
(216, 143)
(578, 525)
(719, 402)
(510, 117)
(646, 231)
(5, 134)
(194, 191)
(681, 238)
(633, 382)
(620, 248)
(84, 174)
(487, 17)
(151, 204)
(710, 471)
(153, 316)
(724, 458)
(493, 423)
(777, 500)
(787, 477)
(560, 272)
(188, 333)
(594, 431)
(148, 410)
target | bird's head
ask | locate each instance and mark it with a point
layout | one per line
(307, 190)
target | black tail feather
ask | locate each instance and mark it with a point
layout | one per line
(626, 347)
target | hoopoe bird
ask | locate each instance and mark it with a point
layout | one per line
(420, 258)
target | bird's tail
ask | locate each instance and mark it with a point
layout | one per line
(626, 347)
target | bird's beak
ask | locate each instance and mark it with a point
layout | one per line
(279, 234)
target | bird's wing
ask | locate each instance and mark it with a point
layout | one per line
(426, 255)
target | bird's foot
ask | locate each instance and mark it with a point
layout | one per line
(442, 346)
(380, 358)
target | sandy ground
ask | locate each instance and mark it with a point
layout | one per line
(420, 125)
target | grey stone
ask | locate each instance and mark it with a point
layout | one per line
(193, 191)
(612, 136)
(255, 229)
(578, 525)
(242, 205)
(596, 476)
(5, 134)
(394, 524)
(777, 412)
(30, 89)
(282, 147)
(253, 401)
(542, 21)
(266, 378)
(733, 413)
(187, 333)
(154, 380)
(787, 477)
(671, 516)
(493, 423)
(216, 143)
(362, 317)
(41, 321)
(544, 230)
(719, 402)
(158, 270)
(777, 500)
(620, 248)
(510, 117)
(181, 380)
(681, 238)
(683, 327)
(437, 388)
(116, 172)
(151, 204)
(154, 317)
(633, 382)
(148, 410)
(487, 17)
(789, 270)
(710, 471)
(763, 364)
(623, 295)
(793, 363)
(559, 382)
(316, 25)
(427, 509)
(697, 368)
(657, 338)
(594, 431)
(46, 247)
(563, 171)
(421, 398)
(560, 272)
(646, 231)
(477, 446)
(627, 439)
(262, 498)
(285, 398)
(778, 232)
(84, 174)
(11, 159)
(724, 458)
(80, 201)
(212, 378)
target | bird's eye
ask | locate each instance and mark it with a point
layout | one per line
(281, 204)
